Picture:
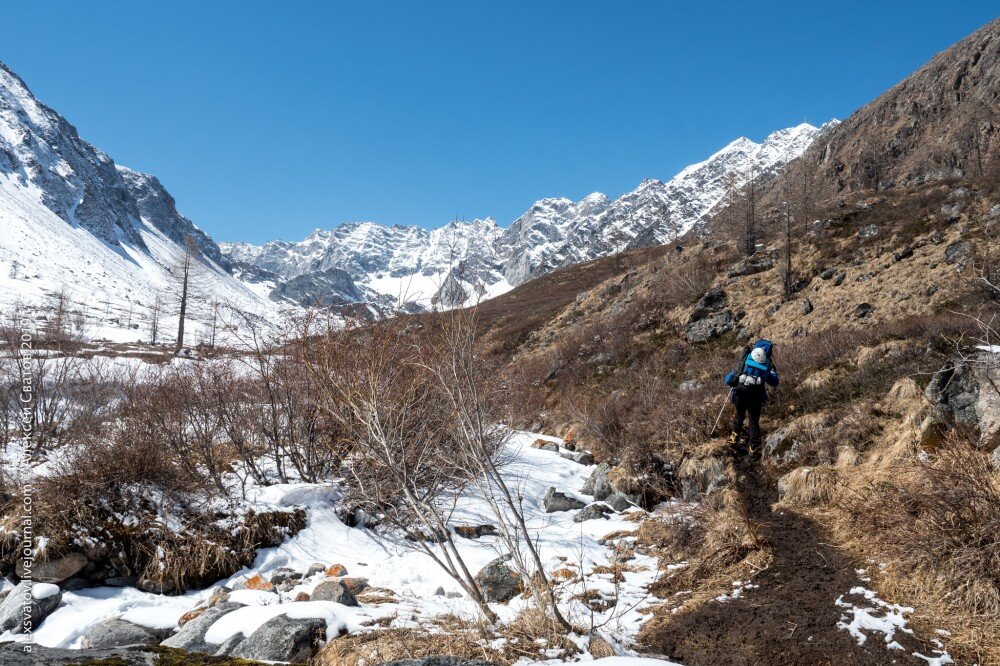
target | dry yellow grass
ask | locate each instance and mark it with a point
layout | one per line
(529, 636)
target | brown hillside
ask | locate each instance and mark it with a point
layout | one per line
(942, 121)
(888, 259)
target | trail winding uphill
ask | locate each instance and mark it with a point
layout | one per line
(810, 606)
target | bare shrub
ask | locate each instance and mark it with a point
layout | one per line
(376, 383)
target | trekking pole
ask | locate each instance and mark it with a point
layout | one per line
(719, 417)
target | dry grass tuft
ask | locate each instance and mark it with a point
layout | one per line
(808, 486)
(530, 636)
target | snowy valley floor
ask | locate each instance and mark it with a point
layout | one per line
(811, 602)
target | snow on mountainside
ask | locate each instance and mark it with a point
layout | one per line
(465, 261)
(72, 221)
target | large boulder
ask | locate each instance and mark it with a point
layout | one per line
(555, 501)
(700, 476)
(959, 253)
(712, 301)
(27, 606)
(283, 639)
(620, 501)
(966, 392)
(712, 326)
(118, 633)
(336, 591)
(581, 457)
(14, 654)
(191, 637)
(499, 582)
(751, 265)
(55, 570)
(597, 484)
(595, 511)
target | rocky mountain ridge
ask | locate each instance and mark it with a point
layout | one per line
(466, 261)
(78, 224)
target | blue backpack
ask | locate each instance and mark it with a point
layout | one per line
(764, 372)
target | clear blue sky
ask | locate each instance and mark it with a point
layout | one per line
(266, 120)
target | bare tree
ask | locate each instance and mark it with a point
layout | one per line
(186, 265)
(750, 222)
(155, 314)
(402, 463)
(473, 397)
(787, 277)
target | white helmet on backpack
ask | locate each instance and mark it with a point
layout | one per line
(759, 355)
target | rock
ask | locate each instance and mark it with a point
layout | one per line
(191, 637)
(475, 532)
(334, 590)
(13, 654)
(219, 595)
(54, 571)
(499, 582)
(439, 592)
(115, 581)
(712, 301)
(807, 306)
(783, 485)
(555, 501)
(75, 583)
(190, 615)
(689, 385)
(356, 584)
(958, 253)
(595, 511)
(839, 278)
(336, 570)
(255, 582)
(951, 210)
(545, 445)
(302, 596)
(27, 606)
(598, 485)
(751, 266)
(827, 273)
(314, 569)
(582, 457)
(780, 446)
(905, 253)
(440, 660)
(601, 358)
(121, 633)
(285, 575)
(868, 231)
(701, 476)
(283, 639)
(963, 393)
(716, 324)
(620, 501)
(996, 457)
(862, 310)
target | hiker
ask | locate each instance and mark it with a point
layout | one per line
(749, 392)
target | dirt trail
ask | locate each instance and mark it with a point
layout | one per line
(791, 617)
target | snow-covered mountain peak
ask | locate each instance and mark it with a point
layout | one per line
(464, 260)
(73, 221)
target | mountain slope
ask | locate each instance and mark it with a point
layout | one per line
(466, 261)
(942, 121)
(105, 236)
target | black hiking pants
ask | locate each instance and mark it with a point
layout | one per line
(749, 405)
